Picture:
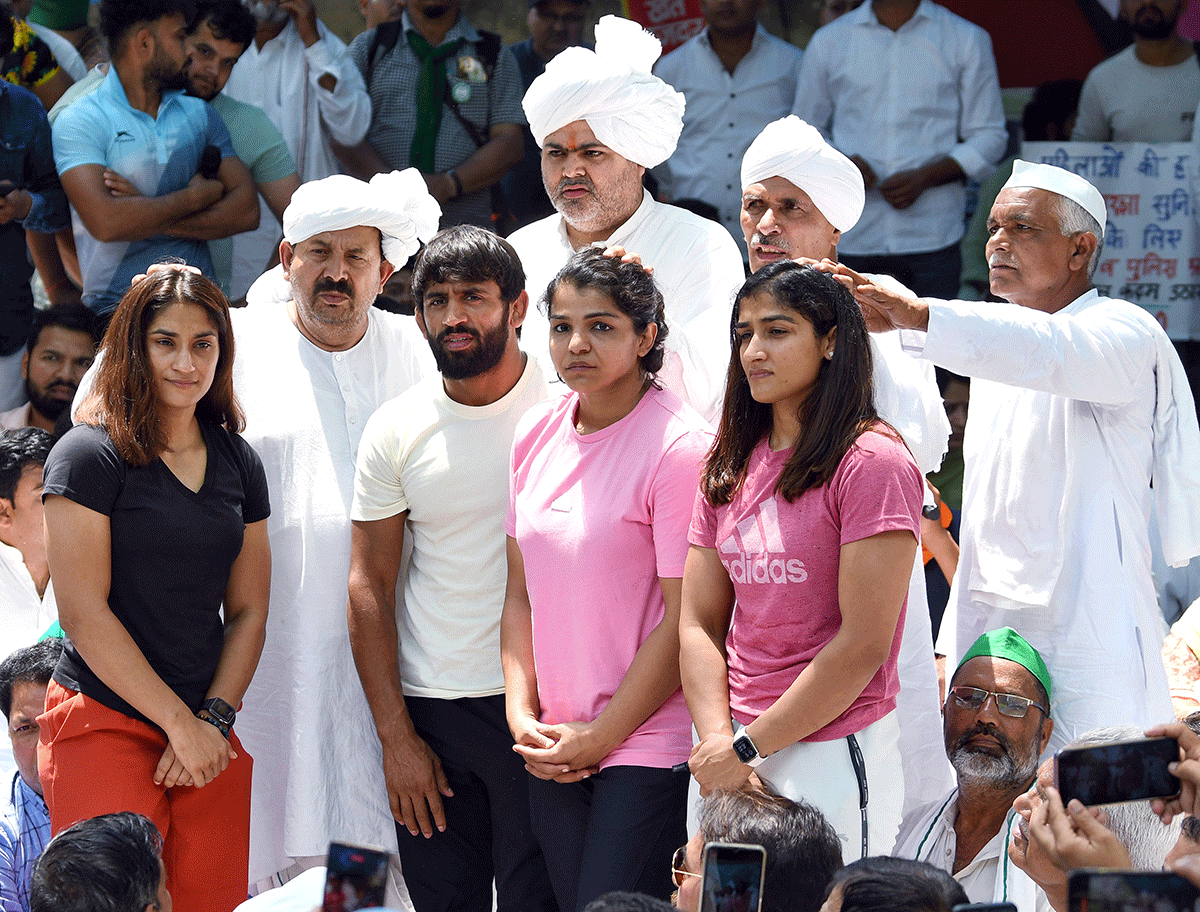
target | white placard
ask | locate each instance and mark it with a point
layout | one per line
(1151, 248)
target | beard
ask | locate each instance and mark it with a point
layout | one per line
(266, 11)
(202, 92)
(164, 70)
(599, 209)
(1153, 25)
(1005, 771)
(486, 354)
(45, 405)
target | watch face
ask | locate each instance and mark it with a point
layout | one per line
(744, 748)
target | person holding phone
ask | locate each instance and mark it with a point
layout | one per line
(602, 484)
(802, 543)
(155, 515)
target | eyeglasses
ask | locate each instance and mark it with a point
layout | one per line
(678, 871)
(1011, 705)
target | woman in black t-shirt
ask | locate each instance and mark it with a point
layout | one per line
(156, 518)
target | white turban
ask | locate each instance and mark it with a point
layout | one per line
(630, 110)
(1064, 183)
(398, 204)
(796, 151)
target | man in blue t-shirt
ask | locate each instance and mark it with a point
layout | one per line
(140, 129)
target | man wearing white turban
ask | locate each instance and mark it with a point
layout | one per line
(798, 195)
(601, 119)
(315, 360)
(1078, 403)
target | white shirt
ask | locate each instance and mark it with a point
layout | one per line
(901, 100)
(24, 615)
(1071, 415)
(415, 450)
(318, 771)
(725, 112)
(927, 834)
(15, 418)
(282, 80)
(1125, 100)
(698, 269)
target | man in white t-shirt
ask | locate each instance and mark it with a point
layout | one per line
(1149, 91)
(434, 463)
(601, 121)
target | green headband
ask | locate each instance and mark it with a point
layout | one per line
(1006, 643)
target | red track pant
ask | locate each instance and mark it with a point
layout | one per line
(94, 760)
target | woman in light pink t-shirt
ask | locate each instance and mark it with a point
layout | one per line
(803, 539)
(603, 483)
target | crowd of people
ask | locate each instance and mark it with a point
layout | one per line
(607, 545)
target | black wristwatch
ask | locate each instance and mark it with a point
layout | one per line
(219, 713)
(746, 751)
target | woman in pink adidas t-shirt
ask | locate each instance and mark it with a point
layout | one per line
(603, 483)
(803, 539)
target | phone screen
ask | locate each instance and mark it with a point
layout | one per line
(732, 877)
(1109, 773)
(356, 878)
(1130, 891)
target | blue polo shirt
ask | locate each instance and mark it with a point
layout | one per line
(157, 155)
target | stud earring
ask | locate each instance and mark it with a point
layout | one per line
(829, 355)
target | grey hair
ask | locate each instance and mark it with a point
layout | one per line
(1072, 219)
(1144, 835)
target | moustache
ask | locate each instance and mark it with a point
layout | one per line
(778, 242)
(570, 183)
(989, 731)
(996, 260)
(339, 286)
(440, 338)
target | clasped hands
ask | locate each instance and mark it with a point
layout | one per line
(562, 752)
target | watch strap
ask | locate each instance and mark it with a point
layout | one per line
(221, 710)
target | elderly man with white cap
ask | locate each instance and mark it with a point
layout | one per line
(601, 119)
(798, 195)
(315, 360)
(1078, 404)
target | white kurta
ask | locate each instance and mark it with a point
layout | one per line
(928, 835)
(318, 771)
(1071, 414)
(907, 398)
(698, 269)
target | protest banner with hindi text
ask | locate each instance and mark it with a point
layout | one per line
(1151, 247)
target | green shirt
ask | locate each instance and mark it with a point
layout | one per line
(260, 145)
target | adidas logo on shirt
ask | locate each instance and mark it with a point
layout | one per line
(750, 561)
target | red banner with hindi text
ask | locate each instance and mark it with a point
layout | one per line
(673, 21)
